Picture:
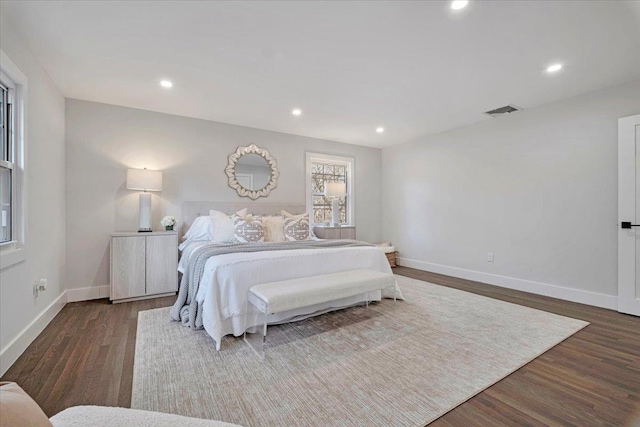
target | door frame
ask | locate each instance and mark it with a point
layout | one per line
(628, 301)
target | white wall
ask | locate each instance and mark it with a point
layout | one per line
(537, 188)
(104, 140)
(45, 221)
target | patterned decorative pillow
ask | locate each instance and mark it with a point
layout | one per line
(297, 227)
(248, 229)
(286, 214)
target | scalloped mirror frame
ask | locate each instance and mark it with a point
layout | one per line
(230, 170)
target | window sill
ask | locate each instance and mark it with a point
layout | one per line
(11, 254)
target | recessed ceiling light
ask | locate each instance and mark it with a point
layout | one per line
(296, 112)
(380, 129)
(166, 83)
(553, 68)
(459, 4)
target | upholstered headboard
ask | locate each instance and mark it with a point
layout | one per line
(192, 210)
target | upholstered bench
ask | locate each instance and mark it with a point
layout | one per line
(285, 295)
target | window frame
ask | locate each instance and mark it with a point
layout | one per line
(8, 162)
(349, 163)
(14, 251)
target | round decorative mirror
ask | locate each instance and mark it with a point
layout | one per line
(252, 172)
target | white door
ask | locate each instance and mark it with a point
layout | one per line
(629, 215)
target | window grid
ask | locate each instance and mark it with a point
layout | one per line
(322, 172)
(6, 163)
(4, 101)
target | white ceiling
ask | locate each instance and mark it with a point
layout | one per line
(416, 68)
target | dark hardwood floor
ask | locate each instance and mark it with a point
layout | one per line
(590, 379)
(85, 356)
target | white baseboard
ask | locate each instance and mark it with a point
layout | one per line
(569, 294)
(10, 353)
(85, 294)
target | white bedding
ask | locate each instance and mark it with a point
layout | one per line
(227, 279)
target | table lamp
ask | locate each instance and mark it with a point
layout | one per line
(335, 190)
(144, 180)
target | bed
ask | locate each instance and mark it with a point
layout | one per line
(214, 298)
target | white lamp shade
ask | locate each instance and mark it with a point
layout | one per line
(144, 179)
(335, 189)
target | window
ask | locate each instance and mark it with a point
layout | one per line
(325, 168)
(327, 172)
(7, 164)
(13, 96)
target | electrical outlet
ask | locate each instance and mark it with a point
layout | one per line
(490, 257)
(39, 286)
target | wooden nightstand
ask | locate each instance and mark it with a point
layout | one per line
(143, 265)
(338, 232)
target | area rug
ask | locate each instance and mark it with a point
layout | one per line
(401, 363)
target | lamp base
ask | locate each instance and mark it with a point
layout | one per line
(144, 224)
(335, 212)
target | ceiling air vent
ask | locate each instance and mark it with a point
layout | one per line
(503, 110)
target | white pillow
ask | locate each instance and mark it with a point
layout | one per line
(241, 213)
(212, 228)
(201, 229)
(223, 225)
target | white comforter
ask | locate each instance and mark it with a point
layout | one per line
(227, 279)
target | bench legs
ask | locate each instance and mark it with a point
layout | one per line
(255, 320)
(368, 299)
